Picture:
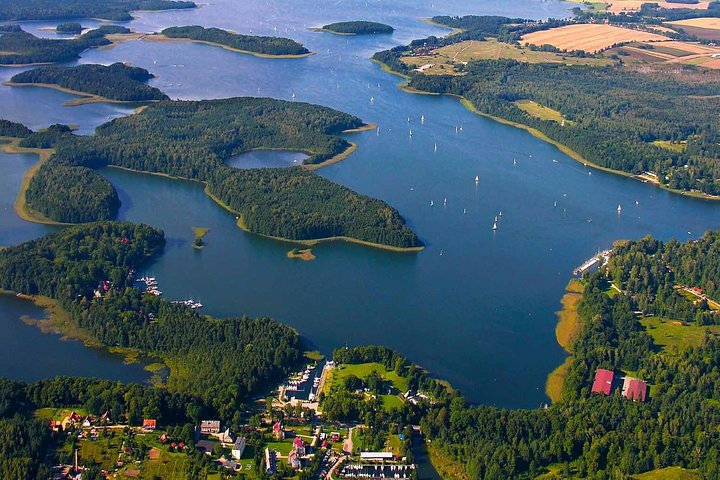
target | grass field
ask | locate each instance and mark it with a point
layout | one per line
(57, 414)
(362, 370)
(670, 335)
(672, 146)
(446, 59)
(283, 448)
(590, 38)
(542, 112)
(669, 473)
(391, 402)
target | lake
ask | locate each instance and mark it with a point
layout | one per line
(477, 306)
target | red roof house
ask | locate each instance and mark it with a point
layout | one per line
(603, 381)
(634, 389)
(149, 424)
(298, 442)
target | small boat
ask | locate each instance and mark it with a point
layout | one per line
(637, 202)
(555, 205)
(422, 118)
(372, 99)
(464, 211)
(436, 147)
(619, 209)
(494, 226)
(445, 201)
(441, 253)
(500, 214)
(555, 161)
(589, 173)
(432, 204)
(495, 218)
(411, 132)
(514, 162)
(477, 178)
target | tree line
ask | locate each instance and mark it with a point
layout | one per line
(117, 10)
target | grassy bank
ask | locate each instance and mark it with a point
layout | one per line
(163, 38)
(566, 331)
(447, 468)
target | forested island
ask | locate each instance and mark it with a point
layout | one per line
(116, 10)
(23, 48)
(658, 123)
(116, 82)
(69, 27)
(193, 139)
(358, 28)
(252, 44)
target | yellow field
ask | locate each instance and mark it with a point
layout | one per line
(445, 60)
(590, 38)
(542, 112)
(669, 473)
(618, 6)
(702, 22)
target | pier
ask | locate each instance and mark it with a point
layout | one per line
(600, 259)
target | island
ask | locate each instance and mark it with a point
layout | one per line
(301, 254)
(20, 48)
(200, 232)
(116, 83)
(69, 27)
(260, 46)
(653, 120)
(285, 203)
(357, 28)
(115, 10)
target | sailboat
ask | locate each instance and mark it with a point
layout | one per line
(619, 209)
(500, 214)
(432, 203)
(411, 132)
(555, 205)
(436, 147)
(422, 119)
(445, 201)
(477, 179)
(372, 99)
(494, 226)
(514, 162)
(464, 211)
(495, 218)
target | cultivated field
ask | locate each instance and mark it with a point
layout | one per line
(618, 6)
(445, 60)
(590, 38)
(670, 52)
(703, 22)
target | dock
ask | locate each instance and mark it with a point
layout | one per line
(600, 259)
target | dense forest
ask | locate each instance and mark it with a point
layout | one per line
(21, 47)
(69, 27)
(615, 114)
(13, 129)
(191, 139)
(88, 269)
(248, 43)
(117, 10)
(116, 82)
(359, 28)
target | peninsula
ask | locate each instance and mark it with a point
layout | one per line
(285, 203)
(96, 83)
(261, 46)
(357, 28)
(652, 119)
(20, 48)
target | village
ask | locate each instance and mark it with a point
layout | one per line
(285, 436)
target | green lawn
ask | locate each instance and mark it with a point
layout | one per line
(58, 414)
(283, 448)
(391, 402)
(670, 473)
(669, 334)
(362, 370)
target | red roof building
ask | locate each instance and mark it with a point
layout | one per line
(634, 389)
(149, 424)
(603, 381)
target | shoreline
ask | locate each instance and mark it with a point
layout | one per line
(566, 330)
(86, 97)
(325, 30)
(241, 225)
(58, 322)
(22, 209)
(541, 136)
(162, 38)
(453, 30)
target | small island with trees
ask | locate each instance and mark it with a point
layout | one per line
(69, 27)
(200, 232)
(115, 10)
(115, 83)
(359, 27)
(260, 46)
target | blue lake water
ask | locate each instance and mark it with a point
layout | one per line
(477, 306)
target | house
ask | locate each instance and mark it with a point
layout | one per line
(210, 427)
(299, 446)
(697, 291)
(294, 460)
(634, 389)
(270, 461)
(238, 448)
(603, 381)
(149, 424)
(278, 431)
(226, 437)
(335, 436)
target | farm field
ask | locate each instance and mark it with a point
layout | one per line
(542, 112)
(619, 6)
(670, 51)
(590, 38)
(445, 60)
(704, 27)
